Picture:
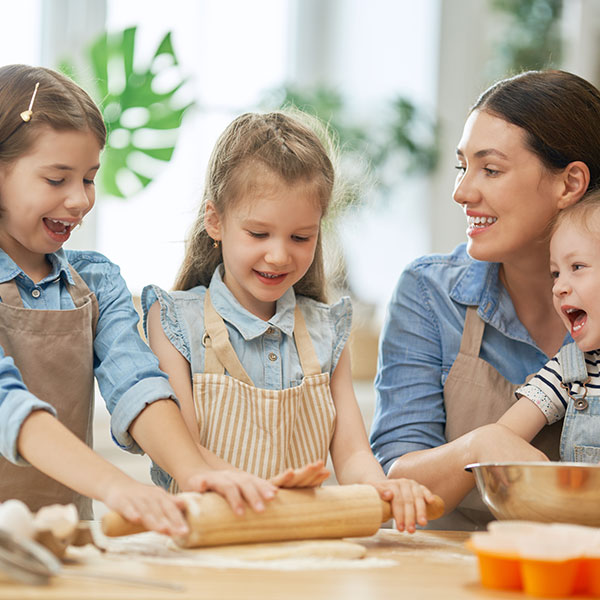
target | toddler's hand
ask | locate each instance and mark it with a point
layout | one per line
(408, 500)
(311, 475)
(149, 505)
(237, 487)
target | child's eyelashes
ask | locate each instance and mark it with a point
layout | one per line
(256, 234)
(57, 182)
(262, 235)
(300, 238)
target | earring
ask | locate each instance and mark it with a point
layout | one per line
(215, 243)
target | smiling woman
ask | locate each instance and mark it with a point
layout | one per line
(464, 330)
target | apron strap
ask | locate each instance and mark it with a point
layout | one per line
(306, 351)
(10, 294)
(572, 361)
(219, 352)
(470, 343)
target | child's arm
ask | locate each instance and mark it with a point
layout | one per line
(77, 466)
(189, 462)
(354, 461)
(524, 418)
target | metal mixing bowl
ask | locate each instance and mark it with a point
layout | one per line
(541, 491)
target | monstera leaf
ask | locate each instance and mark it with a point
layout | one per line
(139, 108)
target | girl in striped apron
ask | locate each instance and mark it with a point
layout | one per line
(255, 354)
(568, 386)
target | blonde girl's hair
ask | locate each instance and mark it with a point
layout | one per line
(585, 214)
(290, 144)
(59, 103)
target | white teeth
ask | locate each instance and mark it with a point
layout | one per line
(269, 275)
(65, 223)
(481, 221)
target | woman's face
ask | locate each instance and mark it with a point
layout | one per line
(508, 196)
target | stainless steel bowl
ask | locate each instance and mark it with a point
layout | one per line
(540, 491)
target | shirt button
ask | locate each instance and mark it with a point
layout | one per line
(272, 356)
(270, 330)
(35, 293)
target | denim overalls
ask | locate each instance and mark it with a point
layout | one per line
(580, 439)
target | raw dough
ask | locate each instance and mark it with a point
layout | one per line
(284, 550)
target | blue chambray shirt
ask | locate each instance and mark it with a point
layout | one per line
(421, 338)
(125, 368)
(182, 319)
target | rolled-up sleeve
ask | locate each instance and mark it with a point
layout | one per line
(127, 371)
(16, 404)
(409, 413)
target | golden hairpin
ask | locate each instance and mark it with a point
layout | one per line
(26, 114)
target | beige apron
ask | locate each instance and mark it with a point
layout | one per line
(475, 394)
(258, 430)
(54, 352)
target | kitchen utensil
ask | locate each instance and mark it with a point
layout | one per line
(315, 513)
(540, 491)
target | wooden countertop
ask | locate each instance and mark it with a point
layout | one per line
(429, 565)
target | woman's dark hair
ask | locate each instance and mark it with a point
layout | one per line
(559, 111)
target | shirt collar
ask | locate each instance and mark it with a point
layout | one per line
(58, 261)
(479, 285)
(249, 325)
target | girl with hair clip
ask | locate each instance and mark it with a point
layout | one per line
(67, 316)
(256, 356)
(463, 331)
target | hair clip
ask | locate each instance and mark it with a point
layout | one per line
(26, 114)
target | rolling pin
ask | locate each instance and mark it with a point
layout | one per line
(295, 514)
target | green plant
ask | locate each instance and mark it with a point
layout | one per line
(402, 141)
(530, 38)
(142, 120)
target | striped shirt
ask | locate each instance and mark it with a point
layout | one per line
(546, 391)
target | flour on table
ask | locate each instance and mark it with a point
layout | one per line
(284, 556)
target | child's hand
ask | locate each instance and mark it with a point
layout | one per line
(311, 475)
(237, 487)
(408, 500)
(149, 505)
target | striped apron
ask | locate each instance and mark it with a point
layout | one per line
(261, 431)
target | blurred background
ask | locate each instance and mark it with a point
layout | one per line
(394, 78)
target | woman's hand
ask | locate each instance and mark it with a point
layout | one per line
(408, 500)
(311, 475)
(237, 487)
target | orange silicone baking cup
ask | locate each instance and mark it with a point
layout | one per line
(547, 578)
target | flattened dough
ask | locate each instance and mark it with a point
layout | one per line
(284, 550)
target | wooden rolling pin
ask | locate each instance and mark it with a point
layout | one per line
(296, 514)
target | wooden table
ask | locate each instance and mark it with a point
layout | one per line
(430, 565)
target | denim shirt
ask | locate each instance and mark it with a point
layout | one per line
(254, 340)
(125, 368)
(421, 338)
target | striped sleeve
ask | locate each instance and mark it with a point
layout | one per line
(545, 390)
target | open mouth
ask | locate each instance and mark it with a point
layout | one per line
(59, 227)
(577, 318)
(480, 222)
(270, 278)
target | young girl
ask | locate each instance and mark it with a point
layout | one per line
(66, 316)
(569, 384)
(255, 355)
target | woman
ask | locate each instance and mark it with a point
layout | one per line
(464, 330)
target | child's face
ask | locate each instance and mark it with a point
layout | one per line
(575, 268)
(268, 240)
(45, 194)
